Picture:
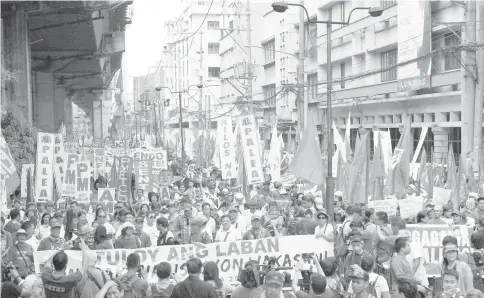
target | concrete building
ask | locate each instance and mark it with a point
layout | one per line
(62, 53)
(374, 100)
(191, 58)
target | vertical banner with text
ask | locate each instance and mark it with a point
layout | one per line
(226, 143)
(99, 163)
(250, 146)
(59, 163)
(23, 178)
(69, 189)
(83, 181)
(125, 169)
(45, 158)
(106, 197)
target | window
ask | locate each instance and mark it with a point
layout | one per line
(213, 25)
(213, 48)
(269, 51)
(387, 3)
(270, 95)
(389, 58)
(313, 85)
(214, 72)
(342, 74)
(452, 58)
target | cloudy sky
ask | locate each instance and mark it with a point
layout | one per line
(144, 37)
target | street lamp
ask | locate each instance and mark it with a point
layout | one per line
(372, 11)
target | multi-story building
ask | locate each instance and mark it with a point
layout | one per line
(376, 101)
(191, 58)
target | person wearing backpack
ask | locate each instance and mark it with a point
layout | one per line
(92, 281)
(165, 284)
(377, 284)
(193, 286)
(132, 285)
(212, 276)
(342, 244)
(360, 284)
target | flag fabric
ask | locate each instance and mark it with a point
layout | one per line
(400, 169)
(358, 179)
(307, 162)
(423, 172)
(8, 172)
(341, 173)
(377, 170)
(347, 153)
(462, 179)
(452, 178)
(30, 198)
(114, 174)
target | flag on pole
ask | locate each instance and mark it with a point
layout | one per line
(358, 172)
(347, 142)
(30, 198)
(452, 177)
(114, 174)
(400, 170)
(377, 170)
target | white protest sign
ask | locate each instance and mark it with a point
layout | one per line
(106, 196)
(157, 155)
(389, 206)
(69, 189)
(59, 163)
(83, 181)
(410, 207)
(250, 146)
(227, 148)
(23, 178)
(45, 158)
(441, 196)
(230, 256)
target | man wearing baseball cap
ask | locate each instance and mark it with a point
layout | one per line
(377, 283)
(143, 237)
(54, 241)
(357, 253)
(257, 231)
(273, 283)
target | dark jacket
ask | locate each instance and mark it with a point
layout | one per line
(193, 287)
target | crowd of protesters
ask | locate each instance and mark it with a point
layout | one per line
(374, 253)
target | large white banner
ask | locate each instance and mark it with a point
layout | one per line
(225, 135)
(59, 163)
(230, 256)
(45, 158)
(250, 145)
(69, 188)
(414, 41)
(23, 178)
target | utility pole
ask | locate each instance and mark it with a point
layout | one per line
(469, 75)
(329, 117)
(249, 65)
(208, 124)
(479, 91)
(301, 99)
(200, 101)
(182, 136)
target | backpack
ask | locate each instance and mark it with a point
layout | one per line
(341, 242)
(218, 291)
(91, 282)
(126, 284)
(372, 287)
(155, 293)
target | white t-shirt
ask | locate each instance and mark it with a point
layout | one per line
(211, 227)
(230, 235)
(152, 232)
(417, 252)
(379, 281)
(109, 228)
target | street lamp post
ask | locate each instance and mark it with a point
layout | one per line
(374, 12)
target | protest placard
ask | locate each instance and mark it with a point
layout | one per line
(230, 256)
(83, 181)
(99, 164)
(166, 177)
(441, 196)
(225, 135)
(410, 207)
(45, 157)
(106, 196)
(389, 206)
(250, 146)
(69, 189)
(125, 169)
(59, 162)
(157, 155)
(23, 178)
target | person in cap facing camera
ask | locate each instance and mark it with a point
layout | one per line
(198, 234)
(257, 231)
(357, 253)
(451, 261)
(273, 283)
(324, 231)
(182, 227)
(54, 241)
(437, 216)
(252, 209)
(377, 284)
(359, 282)
(236, 218)
(143, 237)
(127, 239)
(21, 255)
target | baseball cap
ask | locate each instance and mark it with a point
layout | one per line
(55, 224)
(450, 247)
(140, 219)
(356, 238)
(274, 277)
(367, 263)
(58, 214)
(127, 225)
(404, 233)
(234, 208)
(255, 217)
(50, 203)
(122, 212)
(21, 231)
(318, 201)
(357, 272)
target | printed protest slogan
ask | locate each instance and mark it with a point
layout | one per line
(430, 237)
(44, 177)
(23, 178)
(230, 256)
(143, 174)
(8, 171)
(410, 207)
(124, 165)
(99, 163)
(250, 145)
(226, 148)
(389, 206)
(157, 155)
(87, 153)
(59, 162)
(106, 197)
(69, 189)
(166, 177)
(83, 181)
